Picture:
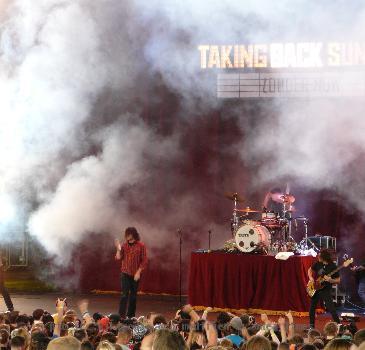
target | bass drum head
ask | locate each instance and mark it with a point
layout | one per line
(251, 237)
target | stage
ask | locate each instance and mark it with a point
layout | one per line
(249, 282)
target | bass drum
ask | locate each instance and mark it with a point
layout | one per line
(252, 236)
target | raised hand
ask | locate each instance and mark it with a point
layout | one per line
(290, 317)
(61, 303)
(187, 308)
(281, 321)
(265, 319)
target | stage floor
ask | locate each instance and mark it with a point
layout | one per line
(108, 303)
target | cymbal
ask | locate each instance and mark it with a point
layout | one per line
(248, 210)
(234, 196)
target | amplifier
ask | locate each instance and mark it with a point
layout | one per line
(320, 242)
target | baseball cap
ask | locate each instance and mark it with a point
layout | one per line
(236, 323)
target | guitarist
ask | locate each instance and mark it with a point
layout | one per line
(323, 267)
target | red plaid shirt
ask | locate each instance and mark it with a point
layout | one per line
(133, 257)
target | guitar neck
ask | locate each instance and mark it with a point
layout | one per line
(335, 271)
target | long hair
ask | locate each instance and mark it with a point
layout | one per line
(326, 255)
(132, 231)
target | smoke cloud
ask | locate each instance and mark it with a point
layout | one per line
(80, 153)
(318, 143)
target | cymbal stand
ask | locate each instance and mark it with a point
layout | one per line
(304, 242)
(289, 218)
(306, 238)
(235, 217)
(305, 224)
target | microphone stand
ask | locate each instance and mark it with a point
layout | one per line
(179, 232)
(209, 236)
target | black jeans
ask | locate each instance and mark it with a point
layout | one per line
(5, 292)
(128, 296)
(325, 295)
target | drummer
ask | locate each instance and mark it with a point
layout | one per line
(273, 202)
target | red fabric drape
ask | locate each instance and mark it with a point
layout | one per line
(237, 281)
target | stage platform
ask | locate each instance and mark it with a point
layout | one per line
(249, 283)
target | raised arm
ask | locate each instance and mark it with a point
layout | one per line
(211, 332)
(60, 306)
(265, 319)
(281, 323)
(118, 246)
(274, 337)
(189, 309)
(291, 324)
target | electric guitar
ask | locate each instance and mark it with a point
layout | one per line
(317, 284)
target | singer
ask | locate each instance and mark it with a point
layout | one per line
(133, 256)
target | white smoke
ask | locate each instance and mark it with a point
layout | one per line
(49, 82)
(318, 142)
(54, 67)
(86, 199)
(67, 154)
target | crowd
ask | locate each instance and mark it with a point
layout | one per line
(69, 329)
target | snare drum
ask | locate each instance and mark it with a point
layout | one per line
(252, 236)
(268, 215)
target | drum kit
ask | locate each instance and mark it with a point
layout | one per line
(267, 232)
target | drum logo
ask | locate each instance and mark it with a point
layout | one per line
(243, 235)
